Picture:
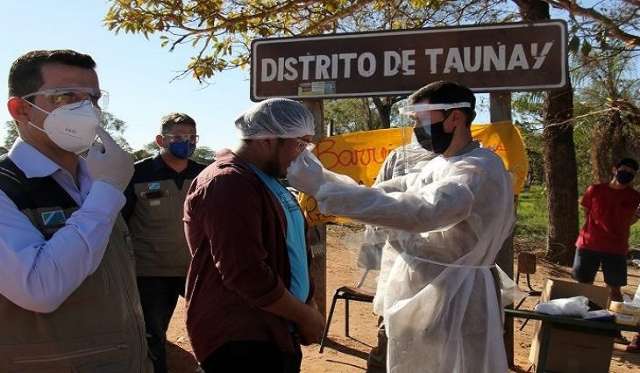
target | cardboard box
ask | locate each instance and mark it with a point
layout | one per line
(570, 350)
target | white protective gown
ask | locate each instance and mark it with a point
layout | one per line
(401, 161)
(436, 290)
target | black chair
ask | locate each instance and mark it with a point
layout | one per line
(526, 265)
(347, 293)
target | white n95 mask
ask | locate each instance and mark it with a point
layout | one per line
(72, 127)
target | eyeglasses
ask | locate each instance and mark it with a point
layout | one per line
(65, 96)
(181, 138)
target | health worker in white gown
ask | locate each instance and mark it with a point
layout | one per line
(438, 295)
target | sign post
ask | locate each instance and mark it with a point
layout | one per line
(500, 110)
(318, 233)
(485, 58)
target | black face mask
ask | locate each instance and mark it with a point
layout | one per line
(440, 140)
(624, 177)
(424, 139)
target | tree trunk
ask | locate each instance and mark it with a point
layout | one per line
(383, 106)
(365, 104)
(561, 176)
(559, 158)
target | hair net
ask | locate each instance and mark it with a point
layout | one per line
(276, 118)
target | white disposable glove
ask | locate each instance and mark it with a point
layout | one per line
(306, 173)
(109, 162)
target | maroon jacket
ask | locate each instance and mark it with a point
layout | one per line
(236, 231)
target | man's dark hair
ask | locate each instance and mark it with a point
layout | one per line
(629, 162)
(25, 75)
(446, 92)
(171, 120)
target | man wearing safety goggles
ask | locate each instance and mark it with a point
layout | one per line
(155, 199)
(447, 222)
(67, 283)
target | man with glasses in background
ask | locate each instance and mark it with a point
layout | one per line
(153, 211)
(68, 299)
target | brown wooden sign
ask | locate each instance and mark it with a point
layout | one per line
(486, 58)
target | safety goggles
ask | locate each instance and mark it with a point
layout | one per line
(182, 138)
(64, 96)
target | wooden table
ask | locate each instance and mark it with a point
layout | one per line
(585, 326)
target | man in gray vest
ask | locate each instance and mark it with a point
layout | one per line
(153, 211)
(68, 298)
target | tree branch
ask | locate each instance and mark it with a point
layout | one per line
(572, 7)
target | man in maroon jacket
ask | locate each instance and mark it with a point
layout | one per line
(249, 295)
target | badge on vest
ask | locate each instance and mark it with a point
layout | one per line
(153, 193)
(53, 218)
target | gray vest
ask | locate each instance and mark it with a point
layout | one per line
(99, 328)
(157, 229)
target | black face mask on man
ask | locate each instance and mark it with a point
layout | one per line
(432, 136)
(624, 177)
(423, 138)
(434, 133)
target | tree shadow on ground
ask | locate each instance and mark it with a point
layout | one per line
(346, 349)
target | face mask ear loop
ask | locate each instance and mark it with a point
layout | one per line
(37, 108)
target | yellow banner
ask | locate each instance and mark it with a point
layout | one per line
(361, 154)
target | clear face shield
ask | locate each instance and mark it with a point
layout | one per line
(415, 122)
(431, 135)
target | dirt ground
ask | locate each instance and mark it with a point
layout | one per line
(349, 354)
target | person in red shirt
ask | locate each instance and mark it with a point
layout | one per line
(610, 210)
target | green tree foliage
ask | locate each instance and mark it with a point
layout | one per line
(350, 115)
(11, 133)
(607, 118)
(140, 154)
(613, 19)
(116, 127)
(204, 155)
(609, 102)
(221, 31)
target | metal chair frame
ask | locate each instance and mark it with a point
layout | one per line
(347, 293)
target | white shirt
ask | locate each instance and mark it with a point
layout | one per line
(38, 274)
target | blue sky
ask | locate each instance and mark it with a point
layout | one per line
(135, 71)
